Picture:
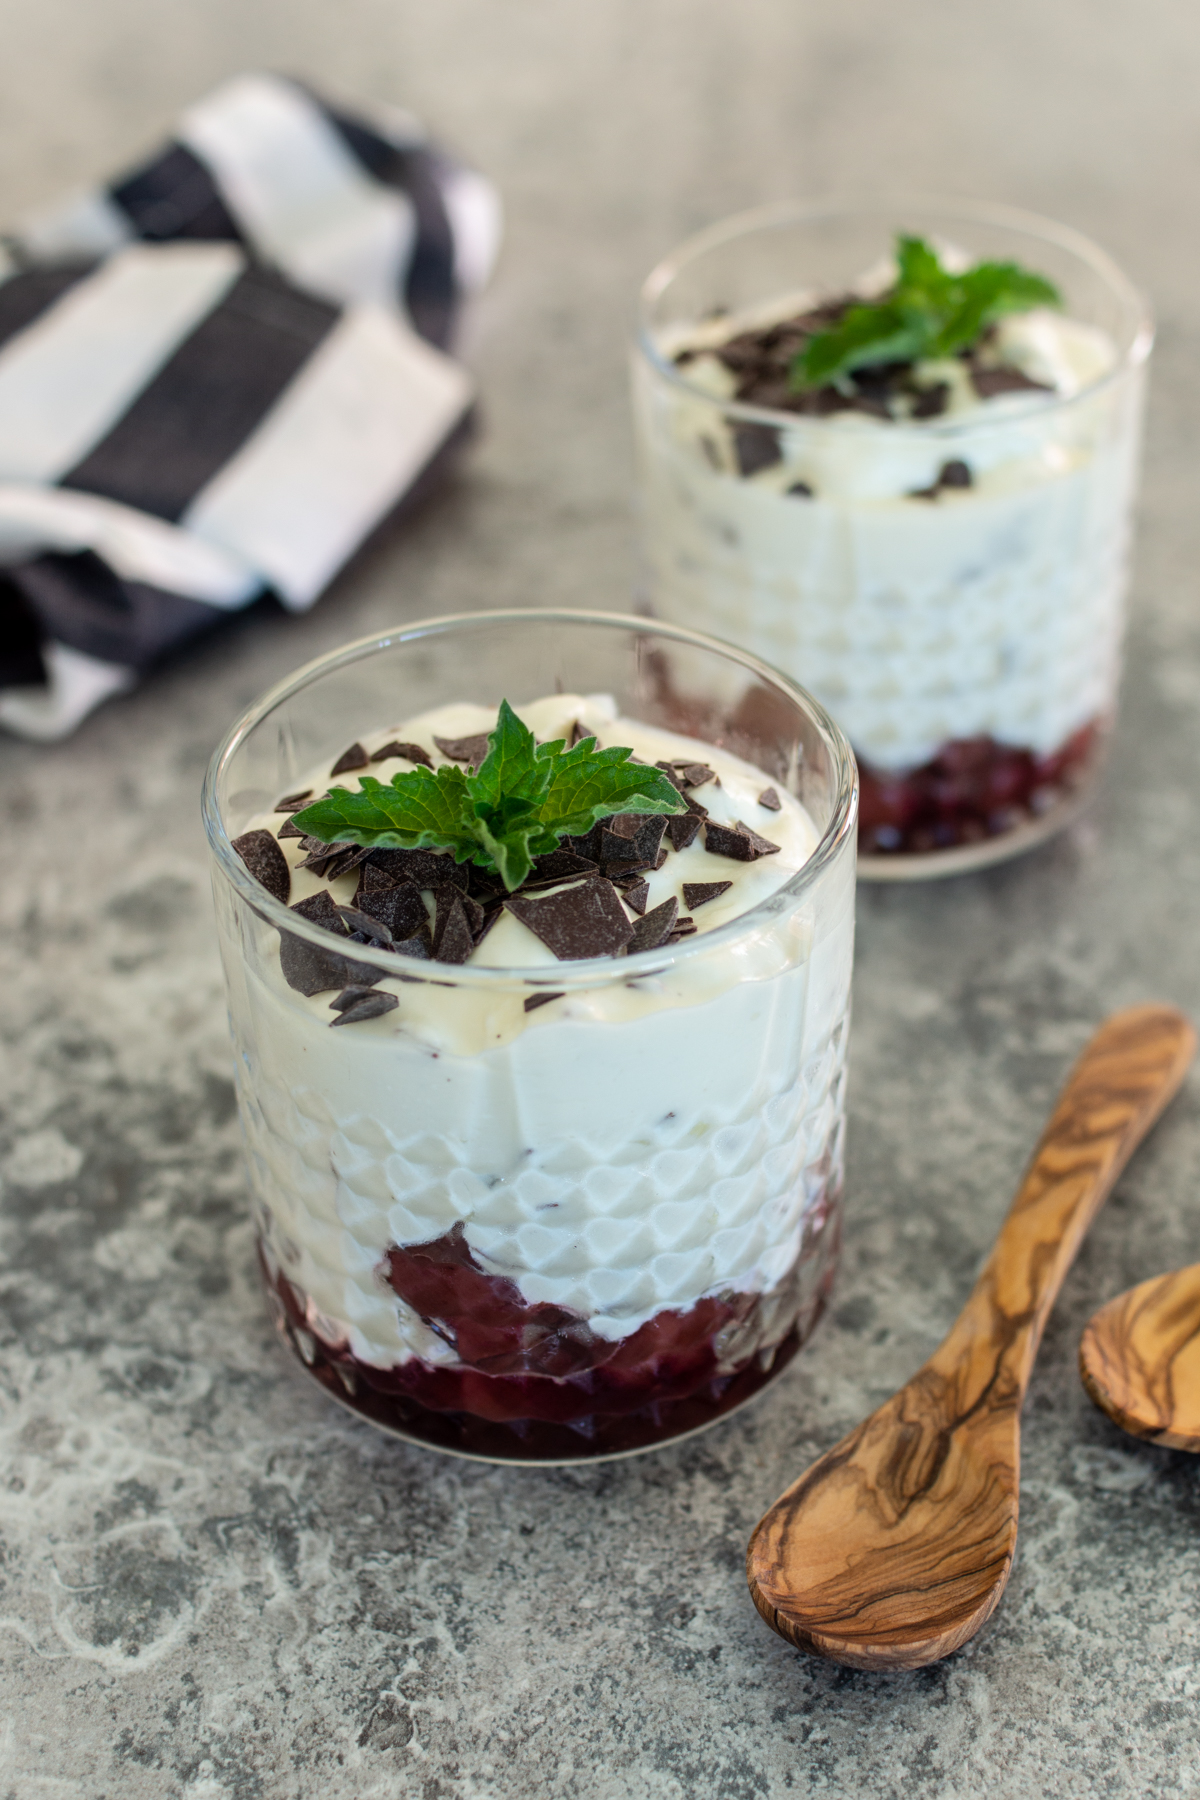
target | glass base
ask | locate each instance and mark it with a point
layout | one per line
(705, 1364)
(977, 803)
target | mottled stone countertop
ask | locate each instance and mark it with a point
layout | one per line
(215, 1584)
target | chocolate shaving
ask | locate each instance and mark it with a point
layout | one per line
(412, 753)
(558, 865)
(636, 895)
(990, 382)
(631, 838)
(654, 930)
(489, 919)
(353, 758)
(350, 857)
(737, 841)
(756, 447)
(399, 907)
(684, 829)
(424, 868)
(770, 799)
(661, 858)
(293, 802)
(588, 845)
(800, 490)
(311, 970)
(349, 996)
(266, 862)
(452, 939)
(470, 750)
(533, 1001)
(576, 735)
(931, 401)
(362, 926)
(699, 893)
(695, 774)
(319, 854)
(419, 945)
(289, 830)
(584, 920)
(369, 1007)
(953, 474)
(683, 928)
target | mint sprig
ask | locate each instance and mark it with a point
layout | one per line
(521, 801)
(928, 313)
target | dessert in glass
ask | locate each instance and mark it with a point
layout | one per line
(544, 1125)
(891, 447)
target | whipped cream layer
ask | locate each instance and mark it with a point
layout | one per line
(991, 610)
(629, 1147)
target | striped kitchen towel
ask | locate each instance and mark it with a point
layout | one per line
(217, 376)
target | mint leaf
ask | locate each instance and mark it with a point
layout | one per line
(929, 312)
(521, 801)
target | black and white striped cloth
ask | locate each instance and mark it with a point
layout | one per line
(217, 376)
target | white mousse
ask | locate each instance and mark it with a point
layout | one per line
(659, 1134)
(991, 610)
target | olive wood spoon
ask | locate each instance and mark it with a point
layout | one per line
(895, 1546)
(1140, 1359)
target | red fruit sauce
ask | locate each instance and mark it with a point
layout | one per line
(533, 1382)
(974, 788)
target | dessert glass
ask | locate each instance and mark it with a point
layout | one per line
(526, 1237)
(968, 642)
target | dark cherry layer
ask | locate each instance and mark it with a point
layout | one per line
(533, 1381)
(974, 788)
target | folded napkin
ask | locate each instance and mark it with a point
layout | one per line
(217, 376)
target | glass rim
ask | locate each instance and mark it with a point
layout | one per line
(589, 972)
(778, 213)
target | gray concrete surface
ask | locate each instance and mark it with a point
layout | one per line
(215, 1585)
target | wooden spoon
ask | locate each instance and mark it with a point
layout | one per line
(1140, 1359)
(895, 1546)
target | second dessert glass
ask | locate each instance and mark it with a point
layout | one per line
(532, 1232)
(951, 588)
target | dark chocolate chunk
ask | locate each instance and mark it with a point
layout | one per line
(289, 830)
(632, 837)
(931, 401)
(636, 895)
(684, 829)
(369, 1007)
(419, 945)
(412, 753)
(800, 490)
(533, 1001)
(695, 774)
(737, 840)
(266, 862)
(362, 926)
(756, 447)
(293, 802)
(770, 799)
(584, 920)
(682, 928)
(424, 868)
(349, 857)
(588, 845)
(989, 382)
(349, 996)
(312, 970)
(558, 865)
(452, 940)
(577, 734)
(470, 750)
(373, 880)
(398, 906)
(489, 919)
(955, 474)
(654, 930)
(661, 858)
(319, 854)
(353, 758)
(699, 893)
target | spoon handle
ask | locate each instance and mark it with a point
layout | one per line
(1117, 1089)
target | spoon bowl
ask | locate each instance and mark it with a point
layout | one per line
(895, 1546)
(1140, 1359)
